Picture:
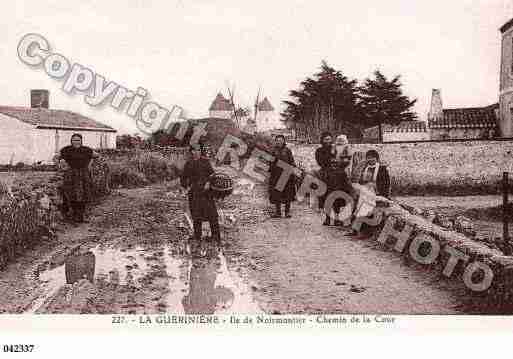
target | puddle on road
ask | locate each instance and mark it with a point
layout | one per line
(202, 283)
(198, 276)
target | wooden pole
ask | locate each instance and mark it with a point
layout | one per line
(505, 230)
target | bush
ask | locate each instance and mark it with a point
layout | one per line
(141, 169)
(25, 217)
(124, 176)
(101, 177)
(154, 166)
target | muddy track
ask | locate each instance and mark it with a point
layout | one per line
(138, 257)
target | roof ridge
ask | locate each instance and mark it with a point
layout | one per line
(220, 103)
(265, 105)
(52, 117)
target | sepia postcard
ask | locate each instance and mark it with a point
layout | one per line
(330, 166)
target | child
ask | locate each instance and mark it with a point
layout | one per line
(344, 154)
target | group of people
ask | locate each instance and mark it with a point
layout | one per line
(336, 162)
(334, 158)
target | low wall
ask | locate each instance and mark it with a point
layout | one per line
(470, 167)
(496, 296)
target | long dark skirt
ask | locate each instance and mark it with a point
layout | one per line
(287, 195)
(323, 176)
(77, 185)
(203, 207)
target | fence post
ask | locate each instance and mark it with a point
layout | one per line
(505, 230)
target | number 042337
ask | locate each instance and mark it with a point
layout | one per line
(18, 348)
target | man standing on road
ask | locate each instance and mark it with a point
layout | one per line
(202, 205)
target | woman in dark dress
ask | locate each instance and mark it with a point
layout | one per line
(77, 184)
(288, 194)
(195, 177)
(375, 175)
(375, 180)
(323, 156)
(337, 180)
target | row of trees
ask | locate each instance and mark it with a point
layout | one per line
(331, 101)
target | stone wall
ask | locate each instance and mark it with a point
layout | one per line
(444, 133)
(496, 296)
(397, 135)
(466, 167)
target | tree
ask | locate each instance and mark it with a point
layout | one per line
(383, 101)
(328, 101)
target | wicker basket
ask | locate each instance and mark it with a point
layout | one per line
(221, 185)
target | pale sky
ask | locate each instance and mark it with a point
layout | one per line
(184, 52)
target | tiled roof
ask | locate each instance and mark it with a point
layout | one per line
(476, 117)
(407, 126)
(221, 104)
(42, 117)
(265, 105)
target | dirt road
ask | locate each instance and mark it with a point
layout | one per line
(138, 257)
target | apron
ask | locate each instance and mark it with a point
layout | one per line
(366, 192)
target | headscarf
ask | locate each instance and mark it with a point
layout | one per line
(76, 135)
(324, 135)
(372, 153)
(278, 146)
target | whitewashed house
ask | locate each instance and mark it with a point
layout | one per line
(221, 108)
(36, 134)
(267, 118)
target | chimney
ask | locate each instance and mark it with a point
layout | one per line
(436, 110)
(39, 98)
